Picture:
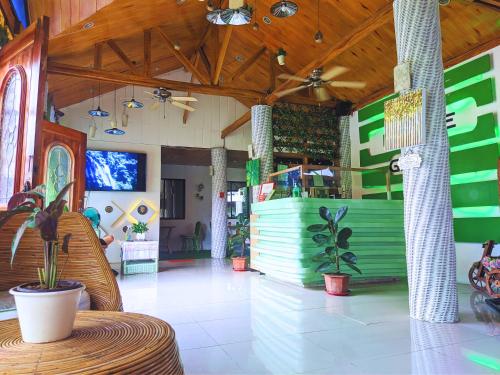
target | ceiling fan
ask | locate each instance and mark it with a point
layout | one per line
(162, 95)
(318, 80)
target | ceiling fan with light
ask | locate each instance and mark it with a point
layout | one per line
(162, 95)
(318, 80)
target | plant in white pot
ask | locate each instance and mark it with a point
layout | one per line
(140, 230)
(46, 308)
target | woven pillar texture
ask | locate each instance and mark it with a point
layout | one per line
(430, 246)
(345, 157)
(262, 138)
(219, 214)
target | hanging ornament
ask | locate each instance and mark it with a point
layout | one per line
(318, 37)
(255, 25)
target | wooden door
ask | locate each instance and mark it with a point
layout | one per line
(63, 160)
(23, 66)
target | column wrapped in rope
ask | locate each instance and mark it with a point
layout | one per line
(345, 157)
(219, 213)
(262, 138)
(430, 246)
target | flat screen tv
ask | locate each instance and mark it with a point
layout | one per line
(115, 171)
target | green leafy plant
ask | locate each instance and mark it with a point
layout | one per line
(140, 227)
(44, 218)
(242, 234)
(335, 240)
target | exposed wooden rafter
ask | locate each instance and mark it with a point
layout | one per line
(132, 79)
(147, 53)
(121, 55)
(97, 56)
(246, 65)
(182, 58)
(376, 20)
(222, 54)
(272, 71)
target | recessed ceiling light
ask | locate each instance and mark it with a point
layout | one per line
(88, 25)
(239, 58)
(266, 20)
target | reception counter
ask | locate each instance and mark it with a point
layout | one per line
(282, 248)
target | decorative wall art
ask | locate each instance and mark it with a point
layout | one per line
(404, 120)
(113, 213)
(142, 212)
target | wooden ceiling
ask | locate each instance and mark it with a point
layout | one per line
(357, 34)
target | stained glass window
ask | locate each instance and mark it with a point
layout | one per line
(9, 135)
(59, 171)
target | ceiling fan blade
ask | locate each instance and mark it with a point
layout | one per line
(184, 98)
(183, 106)
(154, 106)
(348, 84)
(150, 93)
(292, 78)
(333, 72)
(322, 94)
(290, 91)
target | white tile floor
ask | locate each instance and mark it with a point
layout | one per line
(243, 323)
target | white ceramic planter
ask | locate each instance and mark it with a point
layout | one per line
(46, 316)
(140, 236)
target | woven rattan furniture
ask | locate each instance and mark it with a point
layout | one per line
(101, 343)
(86, 262)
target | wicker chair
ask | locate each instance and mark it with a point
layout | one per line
(86, 261)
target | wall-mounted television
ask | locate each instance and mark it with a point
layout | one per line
(115, 171)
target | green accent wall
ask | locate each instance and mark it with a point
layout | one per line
(474, 147)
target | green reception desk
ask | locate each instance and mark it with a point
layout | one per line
(281, 246)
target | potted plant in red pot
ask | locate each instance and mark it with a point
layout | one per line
(239, 240)
(336, 282)
(46, 308)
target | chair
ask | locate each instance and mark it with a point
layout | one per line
(193, 241)
(86, 262)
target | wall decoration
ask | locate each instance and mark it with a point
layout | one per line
(108, 209)
(142, 212)
(114, 213)
(404, 120)
(142, 209)
(311, 131)
(402, 77)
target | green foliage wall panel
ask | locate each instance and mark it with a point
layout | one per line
(474, 150)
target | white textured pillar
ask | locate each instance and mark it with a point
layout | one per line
(345, 157)
(219, 213)
(262, 138)
(430, 246)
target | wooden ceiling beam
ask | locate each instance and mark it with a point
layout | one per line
(376, 20)
(132, 79)
(147, 53)
(121, 55)
(246, 65)
(182, 58)
(272, 71)
(204, 60)
(452, 61)
(97, 56)
(222, 54)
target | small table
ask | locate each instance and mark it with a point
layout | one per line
(102, 342)
(139, 257)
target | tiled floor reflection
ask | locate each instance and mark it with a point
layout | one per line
(242, 323)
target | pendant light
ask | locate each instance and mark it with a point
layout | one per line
(283, 9)
(98, 112)
(255, 25)
(318, 37)
(132, 103)
(113, 130)
(236, 14)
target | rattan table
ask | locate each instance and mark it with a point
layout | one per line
(102, 343)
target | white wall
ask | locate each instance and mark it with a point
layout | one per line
(147, 131)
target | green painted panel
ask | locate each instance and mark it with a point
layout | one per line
(474, 195)
(396, 195)
(486, 128)
(474, 159)
(364, 131)
(366, 159)
(376, 178)
(471, 69)
(482, 92)
(477, 229)
(282, 247)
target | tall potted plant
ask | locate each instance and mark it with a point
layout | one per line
(47, 308)
(140, 230)
(336, 282)
(238, 241)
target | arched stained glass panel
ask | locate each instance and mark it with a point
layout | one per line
(9, 136)
(59, 171)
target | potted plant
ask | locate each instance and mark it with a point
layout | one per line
(140, 230)
(238, 241)
(336, 282)
(46, 308)
(281, 56)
